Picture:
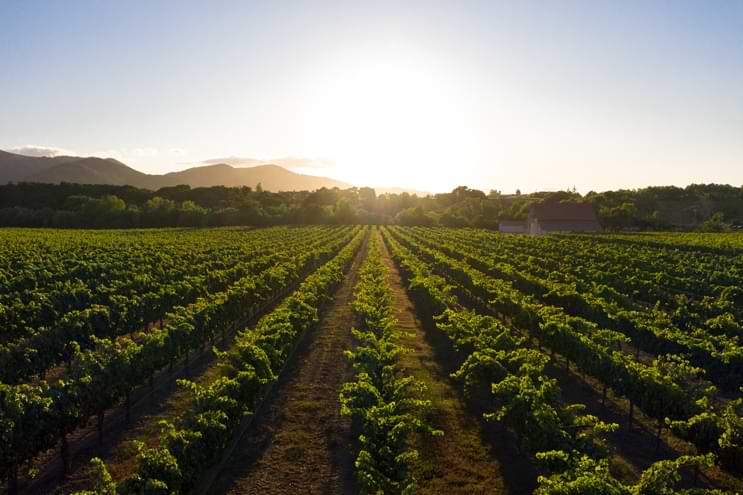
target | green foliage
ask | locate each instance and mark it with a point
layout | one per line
(81, 205)
(716, 223)
(101, 374)
(568, 321)
(104, 483)
(201, 433)
(566, 318)
(387, 408)
(587, 477)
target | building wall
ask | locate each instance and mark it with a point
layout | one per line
(534, 227)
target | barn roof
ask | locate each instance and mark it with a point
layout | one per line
(563, 212)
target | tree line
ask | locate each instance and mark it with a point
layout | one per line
(708, 207)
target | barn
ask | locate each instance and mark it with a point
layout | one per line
(545, 218)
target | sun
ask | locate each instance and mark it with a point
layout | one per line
(388, 118)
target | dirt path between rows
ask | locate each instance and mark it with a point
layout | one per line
(460, 462)
(298, 442)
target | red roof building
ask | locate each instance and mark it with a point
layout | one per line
(562, 217)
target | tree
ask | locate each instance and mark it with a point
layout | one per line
(716, 223)
(160, 212)
(414, 216)
(345, 213)
(192, 215)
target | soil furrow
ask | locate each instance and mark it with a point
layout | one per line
(460, 461)
(298, 442)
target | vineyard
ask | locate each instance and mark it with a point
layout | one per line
(373, 360)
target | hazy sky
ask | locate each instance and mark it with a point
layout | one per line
(429, 95)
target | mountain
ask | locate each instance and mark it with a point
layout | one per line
(15, 167)
(93, 170)
(271, 177)
(286, 162)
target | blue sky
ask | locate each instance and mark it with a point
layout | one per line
(428, 95)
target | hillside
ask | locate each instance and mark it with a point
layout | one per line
(14, 168)
(90, 170)
(271, 178)
(93, 170)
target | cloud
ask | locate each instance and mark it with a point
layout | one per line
(136, 156)
(36, 150)
(286, 162)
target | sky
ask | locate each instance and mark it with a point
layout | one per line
(429, 95)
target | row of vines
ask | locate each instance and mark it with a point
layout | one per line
(509, 319)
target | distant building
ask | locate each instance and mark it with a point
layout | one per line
(512, 226)
(562, 217)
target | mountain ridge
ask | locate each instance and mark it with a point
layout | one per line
(95, 170)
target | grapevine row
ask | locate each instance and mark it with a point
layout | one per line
(123, 315)
(719, 355)
(35, 418)
(386, 406)
(668, 388)
(200, 435)
(568, 445)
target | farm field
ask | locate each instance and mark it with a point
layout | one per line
(370, 359)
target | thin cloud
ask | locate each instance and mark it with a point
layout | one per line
(42, 151)
(124, 155)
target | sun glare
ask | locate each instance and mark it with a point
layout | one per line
(387, 116)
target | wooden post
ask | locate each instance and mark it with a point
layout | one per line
(657, 437)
